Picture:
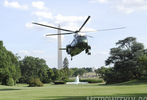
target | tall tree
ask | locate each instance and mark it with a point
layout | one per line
(9, 66)
(65, 72)
(125, 57)
(65, 63)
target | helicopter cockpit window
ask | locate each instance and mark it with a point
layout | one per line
(73, 43)
(82, 39)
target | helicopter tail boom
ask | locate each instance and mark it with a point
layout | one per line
(62, 48)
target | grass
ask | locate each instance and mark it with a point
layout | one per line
(72, 92)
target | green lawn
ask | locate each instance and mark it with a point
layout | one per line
(72, 92)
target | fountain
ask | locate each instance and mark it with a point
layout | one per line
(77, 81)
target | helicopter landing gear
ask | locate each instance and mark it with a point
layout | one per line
(71, 57)
(87, 51)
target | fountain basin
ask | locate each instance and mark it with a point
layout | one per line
(77, 81)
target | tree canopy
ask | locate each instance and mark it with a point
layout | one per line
(125, 59)
(33, 67)
(9, 67)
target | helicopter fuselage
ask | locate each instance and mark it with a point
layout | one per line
(79, 44)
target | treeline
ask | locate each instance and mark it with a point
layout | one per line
(32, 70)
(32, 67)
(128, 60)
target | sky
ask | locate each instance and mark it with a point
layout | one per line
(25, 39)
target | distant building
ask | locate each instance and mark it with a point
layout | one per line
(93, 69)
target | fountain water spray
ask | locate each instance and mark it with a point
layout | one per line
(77, 81)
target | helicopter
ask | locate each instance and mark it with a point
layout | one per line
(79, 43)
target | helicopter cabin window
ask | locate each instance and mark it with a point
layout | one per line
(73, 42)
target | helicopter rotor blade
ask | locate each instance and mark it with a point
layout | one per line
(84, 24)
(53, 27)
(110, 29)
(59, 34)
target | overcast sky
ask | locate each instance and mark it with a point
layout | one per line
(20, 36)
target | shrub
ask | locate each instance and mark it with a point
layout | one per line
(70, 80)
(35, 82)
(92, 80)
(10, 82)
(59, 82)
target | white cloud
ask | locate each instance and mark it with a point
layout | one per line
(39, 5)
(30, 52)
(43, 14)
(125, 6)
(60, 18)
(74, 27)
(70, 23)
(23, 52)
(67, 22)
(29, 25)
(15, 4)
(71, 26)
(45, 23)
(100, 1)
(130, 6)
(37, 51)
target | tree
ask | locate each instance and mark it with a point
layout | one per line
(65, 63)
(35, 82)
(79, 71)
(57, 74)
(9, 67)
(32, 67)
(143, 64)
(125, 57)
(65, 72)
(88, 69)
(50, 74)
(101, 72)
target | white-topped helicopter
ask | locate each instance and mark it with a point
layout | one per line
(79, 43)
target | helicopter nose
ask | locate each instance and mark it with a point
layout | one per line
(85, 40)
(84, 44)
